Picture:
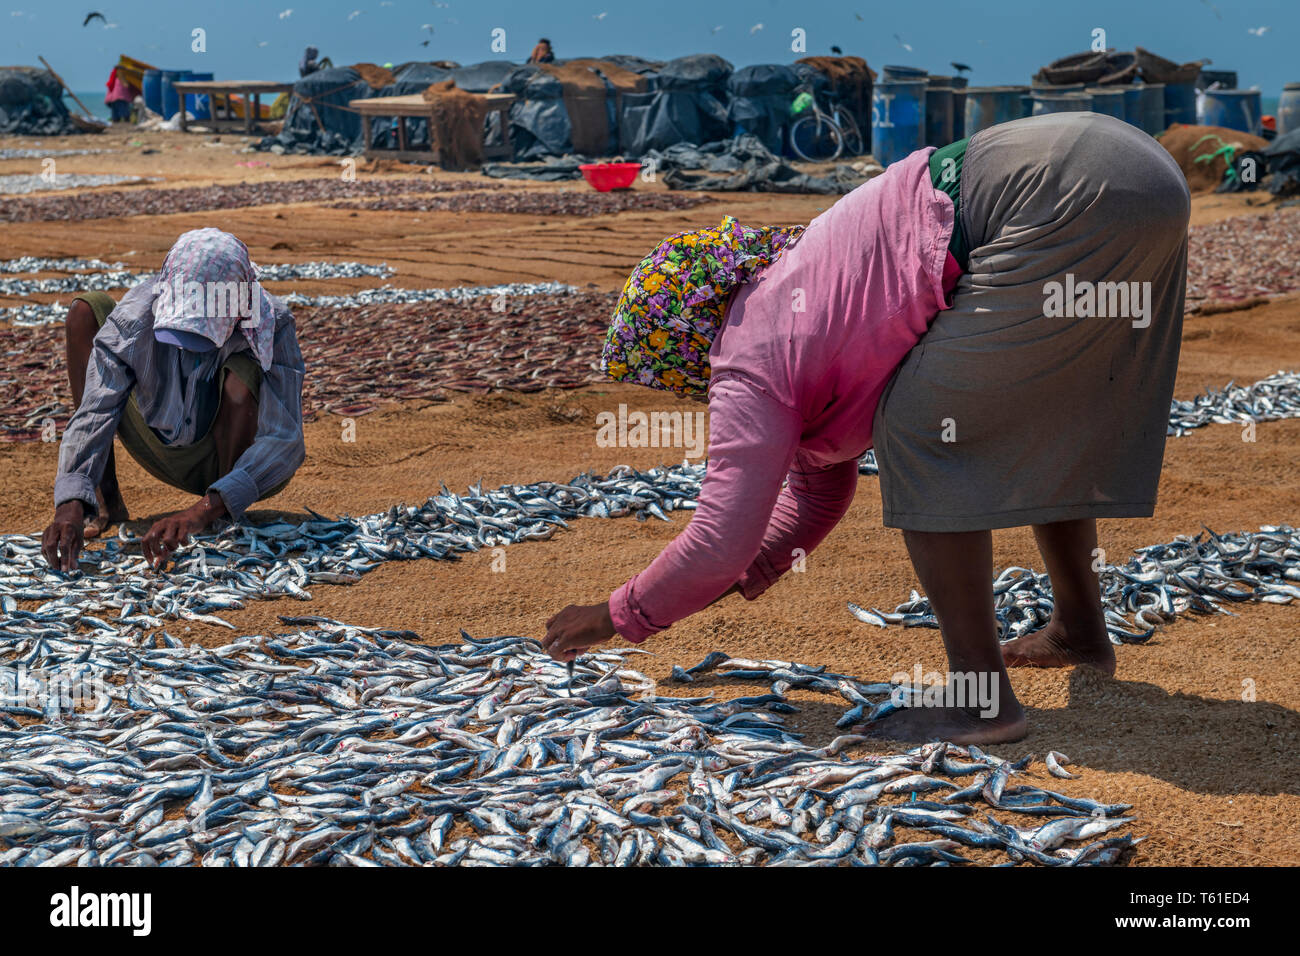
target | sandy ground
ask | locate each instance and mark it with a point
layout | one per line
(1211, 772)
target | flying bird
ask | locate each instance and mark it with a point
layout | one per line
(837, 51)
(858, 15)
(600, 16)
(354, 14)
(905, 46)
(960, 67)
(715, 29)
(263, 42)
(1257, 31)
(286, 14)
(89, 17)
(755, 28)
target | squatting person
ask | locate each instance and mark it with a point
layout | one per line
(915, 316)
(198, 372)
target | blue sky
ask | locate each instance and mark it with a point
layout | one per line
(1004, 40)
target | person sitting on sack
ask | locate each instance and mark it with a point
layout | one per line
(198, 372)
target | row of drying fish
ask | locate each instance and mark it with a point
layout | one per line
(224, 569)
(34, 314)
(125, 203)
(123, 279)
(1270, 399)
(23, 183)
(24, 153)
(1201, 574)
(349, 746)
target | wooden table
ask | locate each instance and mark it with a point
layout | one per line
(416, 106)
(220, 105)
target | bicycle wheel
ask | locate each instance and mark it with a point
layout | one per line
(850, 134)
(815, 139)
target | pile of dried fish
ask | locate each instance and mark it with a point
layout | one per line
(225, 569)
(123, 203)
(1243, 258)
(16, 183)
(121, 279)
(1270, 399)
(363, 357)
(1198, 574)
(536, 202)
(349, 746)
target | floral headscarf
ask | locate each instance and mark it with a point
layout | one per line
(675, 301)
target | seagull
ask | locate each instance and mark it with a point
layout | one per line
(960, 67)
(1257, 31)
(905, 46)
(715, 29)
(85, 22)
(755, 28)
(286, 14)
(858, 15)
(354, 14)
(600, 16)
(263, 42)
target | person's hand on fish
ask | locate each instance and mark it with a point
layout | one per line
(168, 534)
(65, 537)
(577, 628)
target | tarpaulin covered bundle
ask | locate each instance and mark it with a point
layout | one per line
(319, 119)
(456, 124)
(851, 82)
(31, 103)
(408, 79)
(564, 108)
(743, 163)
(635, 64)
(1093, 67)
(688, 105)
(760, 98)
(1276, 165)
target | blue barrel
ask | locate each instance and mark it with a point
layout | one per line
(170, 102)
(958, 113)
(1144, 107)
(1108, 100)
(897, 119)
(938, 116)
(1288, 109)
(902, 73)
(1233, 109)
(1180, 104)
(989, 105)
(151, 90)
(1045, 102)
(197, 103)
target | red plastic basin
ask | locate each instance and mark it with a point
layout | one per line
(606, 176)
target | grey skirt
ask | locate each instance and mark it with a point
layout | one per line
(1043, 394)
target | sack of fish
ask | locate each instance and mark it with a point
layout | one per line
(344, 745)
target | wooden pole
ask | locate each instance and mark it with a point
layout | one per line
(66, 87)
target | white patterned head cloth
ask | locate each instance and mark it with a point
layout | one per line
(207, 289)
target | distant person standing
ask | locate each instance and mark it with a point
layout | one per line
(542, 53)
(309, 64)
(119, 97)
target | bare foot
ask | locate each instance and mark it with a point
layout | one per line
(1057, 646)
(953, 724)
(108, 512)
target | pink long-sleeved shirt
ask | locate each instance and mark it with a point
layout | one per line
(798, 370)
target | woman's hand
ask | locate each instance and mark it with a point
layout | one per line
(576, 628)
